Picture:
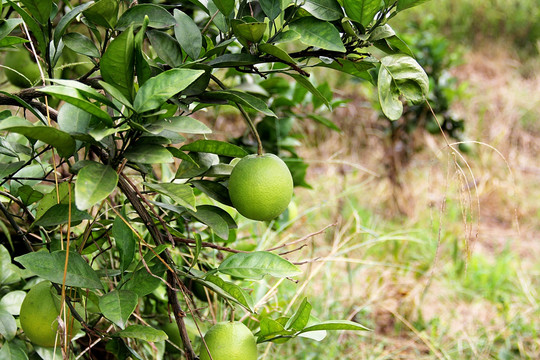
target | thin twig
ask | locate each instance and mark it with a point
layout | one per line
(304, 238)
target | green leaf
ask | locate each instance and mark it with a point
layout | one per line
(7, 26)
(118, 61)
(166, 47)
(81, 44)
(40, 9)
(50, 267)
(62, 141)
(118, 305)
(354, 68)
(214, 190)
(116, 94)
(73, 96)
(302, 80)
(272, 8)
(277, 52)
(188, 34)
(324, 121)
(142, 332)
(11, 350)
(34, 27)
(215, 147)
(301, 317)
(103, 12)
(11, 168)
(256, 265)
(124, 239)
(203, 162)
(328, 10)
(149, 154)
(8, 326)
(180, 124)
(335, 325)
(182, 194)
(159, 17)
(62, 196)
(10, 272)
(66, 20)
(11, 302)
(28, 195)
(362, 11)
(233, 290)
(162, 87)
(225, 6)
(86, 90)
(241, 98)
(211, 216)
(60, 214)
(400, 75)
(143, 283)
(318, 33)
(405, 4)
(270, 329)
(11, 40)
(252, 32)
(74, 120)
(94, 183)
(234, 60)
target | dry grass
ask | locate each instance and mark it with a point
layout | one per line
(387, 285)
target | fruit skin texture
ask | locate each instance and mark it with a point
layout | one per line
(39, 311)
(20, 61)
(261, 186)
(229, 341)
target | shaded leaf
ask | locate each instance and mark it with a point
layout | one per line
(62, 141)
(118, 305)
(118, 61)
(208, 215)
(40, 9)
(142, 332)
(11, 168)
(301, 317)
(166, 47)
(73, 96)
(124, 239)
(272, 8)
(180, 124)
(103, 12)
(149, 154)
(214, 190)
(94, 183)
(47, 265)
(60, 214)
(67, 19)
(182, 194)
(160, 88)
(159, 17)
(241, 98)
(188, 34)
(81, 44)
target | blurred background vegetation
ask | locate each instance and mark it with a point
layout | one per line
(435, 243)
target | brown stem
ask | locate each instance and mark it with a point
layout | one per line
(133, 198)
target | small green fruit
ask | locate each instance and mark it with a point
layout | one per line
(21, 61)
(38, 316)
(229, 341)
(261, 186)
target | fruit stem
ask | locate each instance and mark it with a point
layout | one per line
(260, 150)
(246, 117)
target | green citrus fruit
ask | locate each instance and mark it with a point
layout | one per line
(261, 186)
(229, 341)
(28, 71)
(38, 316)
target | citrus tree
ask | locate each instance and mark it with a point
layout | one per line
(116, 197)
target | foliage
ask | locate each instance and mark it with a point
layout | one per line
(110, 187)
